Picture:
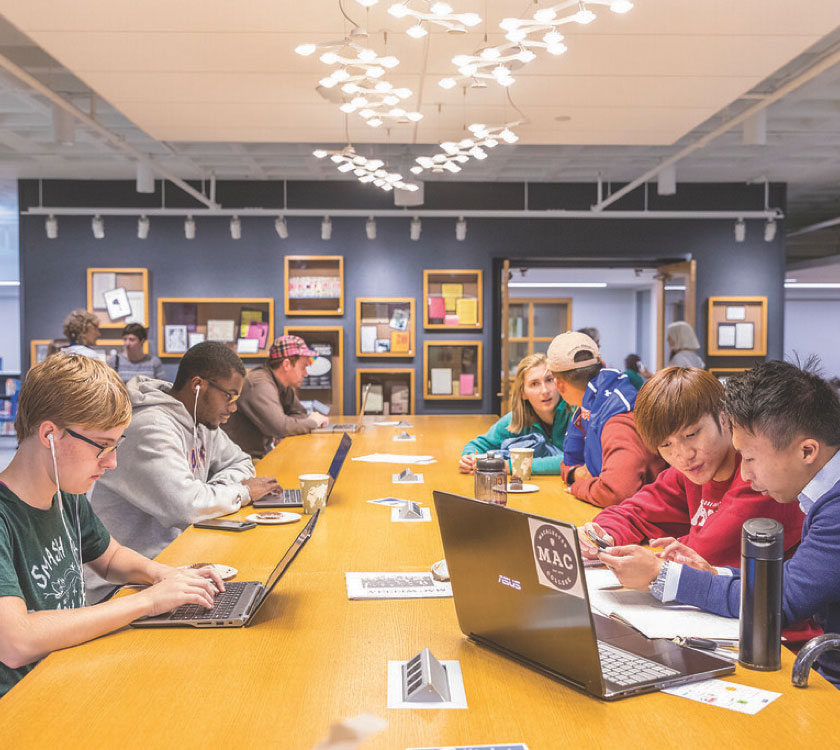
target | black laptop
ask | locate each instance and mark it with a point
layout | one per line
(519, 588)
(237, 605)
(291, 498)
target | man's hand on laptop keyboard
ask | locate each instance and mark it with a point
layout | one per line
(183, 587)
(260, 486)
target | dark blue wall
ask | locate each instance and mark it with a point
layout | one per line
(53, 272)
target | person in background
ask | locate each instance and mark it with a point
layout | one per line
(683, 344)
(133, 361)
(593, 333)
(177, 466)
(701, 498)
(786, 426)
(71, 416)
(635, 370)
(604, 459)
(81, 329)
(269, 408)
(537, 410)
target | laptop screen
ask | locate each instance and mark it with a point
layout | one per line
(338, 459)
(517, 581)
(286, 561)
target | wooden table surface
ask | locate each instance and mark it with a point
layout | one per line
(313, 657)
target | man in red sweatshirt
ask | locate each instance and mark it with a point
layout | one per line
(604, 460)
(701, 500)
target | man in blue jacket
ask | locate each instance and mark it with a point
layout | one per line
(605, 460)
(786, 425)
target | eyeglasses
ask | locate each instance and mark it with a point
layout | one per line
(104, 450)
(231, 395)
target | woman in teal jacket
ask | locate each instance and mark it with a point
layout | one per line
(537, 408)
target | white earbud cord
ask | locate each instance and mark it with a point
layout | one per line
(77, 552)
(195, 427)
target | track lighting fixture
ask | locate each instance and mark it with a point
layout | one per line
(461, 229)
(770, 230)
(281, 228)
(51, 226)
(145, 178)
(97, 224)
(189, 228)
(235, 228)
(414, 228)
(143, 227)
(370, 228)
(740, 230)
(326, 228)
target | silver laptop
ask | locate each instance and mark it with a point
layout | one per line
(237, 605)
(291, 498)
(357, 427)
(519, 588)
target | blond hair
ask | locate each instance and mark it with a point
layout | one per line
(524, 417)
(681, 336)
(77, 323)
(72, 389)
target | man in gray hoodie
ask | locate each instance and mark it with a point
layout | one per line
(176, 466)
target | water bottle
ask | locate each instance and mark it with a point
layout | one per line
(762, 561)
(490, 480)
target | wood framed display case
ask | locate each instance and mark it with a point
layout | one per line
(314, 284)
(385, 327)
(737, 327)
(324, 384)
(39, 348)
(452, 370)
(118, 296)
(246, 325)
(391, 393)
(452, 299)
(532, 325)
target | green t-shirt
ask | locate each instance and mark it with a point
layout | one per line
(38, 558)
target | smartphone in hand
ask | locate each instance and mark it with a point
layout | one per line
(597, 540)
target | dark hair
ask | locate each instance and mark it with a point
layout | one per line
(135, 329)
(593, 333)
(675, 398)
(631, 362)
(581, 377)
(209, 359)
(782, 401)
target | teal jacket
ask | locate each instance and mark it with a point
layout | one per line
(492, 439)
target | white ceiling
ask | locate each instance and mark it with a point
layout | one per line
(215, 87)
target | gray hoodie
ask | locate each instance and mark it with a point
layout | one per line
(164, 480)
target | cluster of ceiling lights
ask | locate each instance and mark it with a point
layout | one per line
(365, 92)
(453, 155)
(769, 230)
(366, 170)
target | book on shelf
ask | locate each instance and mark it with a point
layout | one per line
(466, 308)
(452, 290)
(437, 307)
(466, 384)
(441, 381)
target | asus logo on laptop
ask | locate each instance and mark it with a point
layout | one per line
(514, 584)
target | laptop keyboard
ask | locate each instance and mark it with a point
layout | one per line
(624, 668)
(292, 497)
(223, 605)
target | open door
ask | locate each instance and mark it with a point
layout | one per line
(677, 300)
(506, 380)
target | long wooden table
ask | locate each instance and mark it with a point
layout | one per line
(313, 657)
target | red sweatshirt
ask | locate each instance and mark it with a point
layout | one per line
(707, 518)
(627, 464)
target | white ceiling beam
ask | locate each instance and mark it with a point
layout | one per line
(115, 140)
(808, 74)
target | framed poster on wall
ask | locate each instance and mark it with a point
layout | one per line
(737, 326)
(118, 296)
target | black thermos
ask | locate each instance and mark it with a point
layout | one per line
(762, 561)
